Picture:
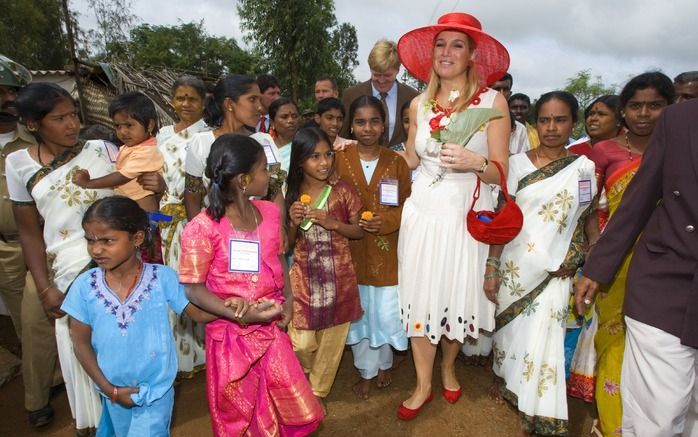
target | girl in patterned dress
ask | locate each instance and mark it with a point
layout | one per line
(324, 216)
(230, 251)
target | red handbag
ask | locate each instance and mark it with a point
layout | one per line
(495, 227)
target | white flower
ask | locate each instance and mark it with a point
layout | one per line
(444, 121)
(453, 95)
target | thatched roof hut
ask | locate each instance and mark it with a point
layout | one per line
(100, 83)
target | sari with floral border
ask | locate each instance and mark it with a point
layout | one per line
(188, 335)
(529, 355)
(62, 205)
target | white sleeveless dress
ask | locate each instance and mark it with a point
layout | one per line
(440, 265)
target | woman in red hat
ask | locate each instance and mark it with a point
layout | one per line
(456, 127)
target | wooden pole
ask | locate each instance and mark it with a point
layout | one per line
(74, 58)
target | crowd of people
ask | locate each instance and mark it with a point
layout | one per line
(250, 242)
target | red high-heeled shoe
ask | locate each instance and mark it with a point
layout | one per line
(452, 396)
(405, 413)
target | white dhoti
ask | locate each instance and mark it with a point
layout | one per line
(658, 383)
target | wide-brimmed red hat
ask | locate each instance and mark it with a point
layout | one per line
(416, 47)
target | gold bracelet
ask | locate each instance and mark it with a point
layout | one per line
(484, 165)
(493, 262)
(45, 290)
(493, 275)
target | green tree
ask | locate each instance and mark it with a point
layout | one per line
(586, 88)
(187, 47)
(299, 41)
(345, 46)
(32, 33)
(114, 20)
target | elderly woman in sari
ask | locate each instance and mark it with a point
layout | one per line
(188, 94)
(531, 277)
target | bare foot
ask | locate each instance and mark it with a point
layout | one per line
(468, 360)
(417, 399)
(322, 404)
(448, 377)
(522, 433)
(495, 394)
(384, 379)
(398, 358)
(362, 388)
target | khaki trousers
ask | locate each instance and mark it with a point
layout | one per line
(320, 352)
(40, 368)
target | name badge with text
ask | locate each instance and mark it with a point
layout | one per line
(271, 156)
(585, 191)
(244, 256)
(389, 193)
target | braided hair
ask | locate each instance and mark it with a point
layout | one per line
(230, 155)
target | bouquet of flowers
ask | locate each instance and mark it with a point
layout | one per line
(447, 126)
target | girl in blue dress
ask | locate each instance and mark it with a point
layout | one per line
(119, 321)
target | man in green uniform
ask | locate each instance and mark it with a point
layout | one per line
(17, 289)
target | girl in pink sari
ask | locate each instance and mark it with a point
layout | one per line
(230, 252)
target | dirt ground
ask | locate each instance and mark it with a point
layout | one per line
(473, 415)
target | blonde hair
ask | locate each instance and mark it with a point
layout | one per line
(472, 84)
(384, 56)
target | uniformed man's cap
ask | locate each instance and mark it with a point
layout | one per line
(13, 74)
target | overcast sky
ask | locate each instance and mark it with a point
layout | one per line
(548, 40)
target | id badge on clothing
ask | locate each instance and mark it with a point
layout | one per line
(585, 191)
(389, 191)
(271, 156)
(112, 151)
(244, 256)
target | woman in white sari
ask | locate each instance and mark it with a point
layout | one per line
(532, 280)
(188, 94)
(233, 108)
(40, 184)
(48, 209)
